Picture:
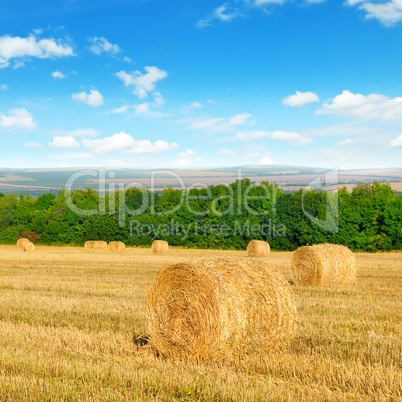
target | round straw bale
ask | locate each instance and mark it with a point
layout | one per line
(29, 246)
(219, 307)
(323, 264)
(21, 242)
(116, 245)
(95, 244)
(160, 246)
(258, 248)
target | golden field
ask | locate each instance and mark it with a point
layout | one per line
(69, 316)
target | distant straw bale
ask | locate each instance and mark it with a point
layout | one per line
(21, 242)
(219, 307)
(99, 244)
(323, 264)
(159, 246)
(29, 246)
(116, 246)
(258, 248)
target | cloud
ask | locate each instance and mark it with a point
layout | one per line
(369, 107)
(17, 118)
(22, 49)
(347, 141)
(186, 158)
(226, 151)
(300, 99)
(3, 87)
(58, 74)
(142, 83)
(266, 160)
(94, 98)
(219, 124)
(33, 145)
(294, 139)
(150, 109)
(397, 142)
(124, 143)
(81, 132)
(386, 12)
(64, 142)
(196, 105)
(223, 13)
(102, 45)
(119, 110)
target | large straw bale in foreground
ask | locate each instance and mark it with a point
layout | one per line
(160, 246)
(96, 244)
(258, 248)
(219, 307)
(116, 245)
(29, 246)
(21, 242)
(323, 264)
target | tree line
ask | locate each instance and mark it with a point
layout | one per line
(369, 218)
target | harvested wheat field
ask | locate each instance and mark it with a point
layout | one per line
(74, 327)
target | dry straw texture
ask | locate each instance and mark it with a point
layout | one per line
(159, 246)
(116, 246)
(96, 244)
(324, 264)
(258, 248)
(29, 246)
(219, 307)
(21, 242)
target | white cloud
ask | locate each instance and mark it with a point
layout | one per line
(345, 142)
(102, 45)
(196, 105)
(17, 118)
(3, 87)
(223, 13)
(292, 138)
(119, 110)
(370, 107)
(24, 48)
(94, 98)
(266, 160)
(58, 74)
(266, 2)
(387, 12)
(186, 158)
(300, 99)
(188, 153)
(123, 142)
(219, 124)
(64, 142)
(397, 142)
(33, 145)
(142, 83)
(81, 132)
(226, 151)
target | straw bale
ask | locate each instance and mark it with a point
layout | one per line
(216, 308)
(323, 264)
(21, 242)
(29, 246)
(100, 244)
(159, 246)
(116, 246)
(258, 248)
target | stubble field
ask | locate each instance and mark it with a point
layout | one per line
(68, 318)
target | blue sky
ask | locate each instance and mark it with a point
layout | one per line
(152, 84)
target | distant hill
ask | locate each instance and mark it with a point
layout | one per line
(289, 178)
